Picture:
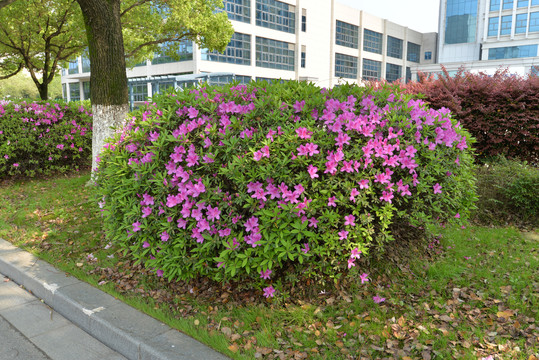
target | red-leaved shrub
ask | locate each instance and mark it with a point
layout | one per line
(501, 111)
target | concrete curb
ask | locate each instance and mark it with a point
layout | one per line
(131, 333)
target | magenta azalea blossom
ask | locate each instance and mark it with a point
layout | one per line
(349, 220)
(136, 226)
(269, 291)
(355, 253)
(213, 213)
(146, 211)
(364, 184)
(364, 278)
(312, 171)
(377, 299)
(351, 263)
(164, 236)
(331, 201)
(304, 133)
(265, 274)
(306, 248)
(343, 234)
(145, 245)
(457, 216)
(160, 273)
(437, 188)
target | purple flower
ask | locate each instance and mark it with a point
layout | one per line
(351, 263)
(136, 226)
(437, 188)
(355, 254)
(213, 213)
(16, 165)
(331, 201)
(343, 235)
(349, 220)
(269, 291)
(312, 171)
(146, 211)
(364, 278)
(377, 299)
(265, 274)
(159, 273)
(145, 245)
(164, 236)
(305, 248)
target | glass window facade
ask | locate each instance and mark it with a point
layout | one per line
(86, 90)
(505, 28)
(346, 34)
(74, 91)
(428, 55)
(460, 21)
(535, 2)
(303, 59)
(413, 52)
(74, 67)
(138, 91)
(276, 15)
(238, 51)
(393, 72)
(507, 4)
(185, 53)
(275, 54)
(394, 47)
(522, 3)
(345, 66)
(372, 70)
(521, 23)
(161, 86)
(408, 74)
(493, 24)
(372, 41)
(534, 22)
(239, 10)
(85, 64)
(494, 5)
(304, 23)
(512, 52)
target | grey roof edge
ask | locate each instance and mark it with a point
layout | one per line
(131, 333)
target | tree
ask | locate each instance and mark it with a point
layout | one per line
(39, 36)
(147, 24)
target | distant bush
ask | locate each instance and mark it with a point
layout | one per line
(43, 138)
(508, 193)
(251, 182)
(501, 111)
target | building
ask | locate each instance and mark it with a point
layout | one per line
(485, 35)
(321, 41)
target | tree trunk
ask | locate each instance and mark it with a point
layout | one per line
(44, 89)
(108, 79)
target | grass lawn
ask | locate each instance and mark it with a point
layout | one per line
(473, 293)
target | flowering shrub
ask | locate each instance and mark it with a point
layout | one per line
(500, 111)
(38, 138)
(250, 182)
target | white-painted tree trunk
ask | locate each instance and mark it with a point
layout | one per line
(105, 118)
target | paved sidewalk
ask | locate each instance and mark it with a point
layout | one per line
(69, 319)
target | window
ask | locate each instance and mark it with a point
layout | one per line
(522, 3)
(64, 92)
(161, 87)
(535, 2)
(303, 56)
(534, 70)
(275, 54)
(394, 47)
(303, 20)
(74, 67)
(345, 66)
(372, 41)
(238, 51)
(461, 21)
(85, 64)
(494, 5)
(521, 23)
(505, 28)
(408, 74)
(239, 10)
(86, 90)
(393, 72)
(493, 23)
(507, 4)
(184, 52)
(74, 91)
(276, 15)
(346, 34)
(372, 70)
(428, 55)
(413, 52)
(512, 52)
(243, 79)
(138, 91)
(534, 22)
